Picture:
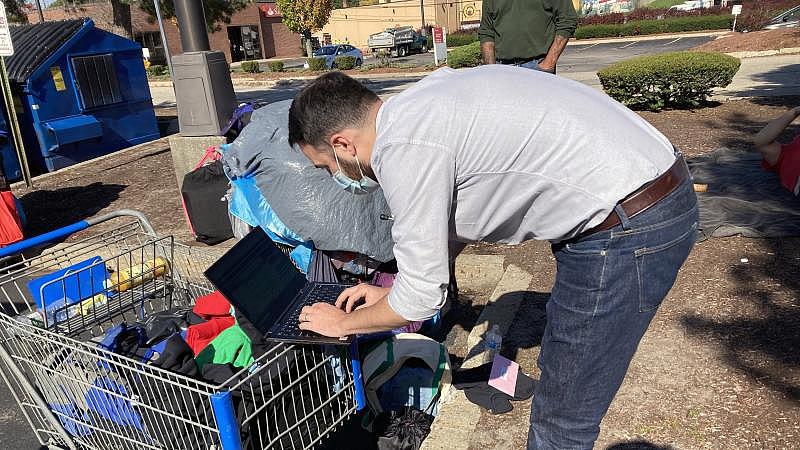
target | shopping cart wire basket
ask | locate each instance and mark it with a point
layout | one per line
(56, 308)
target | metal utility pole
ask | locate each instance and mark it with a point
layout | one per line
(164, 41)
(206, 112)
(192, 21)
(14, 130)
(7, 49)
(422, 13)
(39, 9)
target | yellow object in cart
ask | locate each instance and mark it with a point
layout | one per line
(137, 275)
(90, 303)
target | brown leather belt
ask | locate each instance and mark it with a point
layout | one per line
(646, 196)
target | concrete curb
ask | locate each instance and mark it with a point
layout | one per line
(783, 51)
(273, 83)
(457, 418)
(479, 273)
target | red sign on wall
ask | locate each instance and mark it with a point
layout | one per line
(438, 36)
(269, 10)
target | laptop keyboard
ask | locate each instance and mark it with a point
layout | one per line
(327, 293)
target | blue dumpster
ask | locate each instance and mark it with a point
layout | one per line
(80, 92)
(8, 157)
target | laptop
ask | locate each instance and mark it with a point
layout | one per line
(264, 285)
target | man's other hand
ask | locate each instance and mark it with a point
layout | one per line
(360, 296)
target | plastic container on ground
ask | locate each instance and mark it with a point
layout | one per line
(493, 341)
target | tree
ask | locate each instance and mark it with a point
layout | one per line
(216, 11)
(15, 11)
(305, 16)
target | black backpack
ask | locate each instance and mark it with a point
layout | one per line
(203, 194)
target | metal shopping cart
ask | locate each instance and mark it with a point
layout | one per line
(76, 394)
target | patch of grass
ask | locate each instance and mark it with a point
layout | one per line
(663, 4)
(368, 67)
(699, 436)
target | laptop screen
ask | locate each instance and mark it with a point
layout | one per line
(257, 279)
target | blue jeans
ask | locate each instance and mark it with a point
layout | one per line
(608, 287)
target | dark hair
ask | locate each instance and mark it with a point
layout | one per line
(329, 104)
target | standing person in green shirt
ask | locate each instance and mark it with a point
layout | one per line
(526, 33)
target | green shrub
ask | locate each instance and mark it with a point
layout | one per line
(460, 39)
(317, 64)
(275, 66)
(429, 41)
(679, 79)
(157, 70)
(465, 56)
(641, 27)
(344, 62)
(384, 56)
(250, 67)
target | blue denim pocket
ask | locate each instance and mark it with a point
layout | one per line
(580, 277)
(654, 263)
(597, 247)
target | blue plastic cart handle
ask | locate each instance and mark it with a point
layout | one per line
(358, 378)
(228, 427)
(50, 236)
(54, 235)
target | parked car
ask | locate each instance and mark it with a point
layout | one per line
(330, 52)
(692, 5)
(788, 19)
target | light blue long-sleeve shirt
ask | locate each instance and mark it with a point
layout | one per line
(501, 154)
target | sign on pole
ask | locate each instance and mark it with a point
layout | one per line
(439, 45)
(736, 10)
(6, 47)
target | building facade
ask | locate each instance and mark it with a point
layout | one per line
(113, 16)
(255, 32)
(355, 25)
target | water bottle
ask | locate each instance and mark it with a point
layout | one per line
(56, 314)
(493, 341)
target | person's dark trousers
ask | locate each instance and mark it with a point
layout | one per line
(608, 287)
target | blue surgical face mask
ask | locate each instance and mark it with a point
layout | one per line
(363, 186)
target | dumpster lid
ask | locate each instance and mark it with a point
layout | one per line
(33, 44)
